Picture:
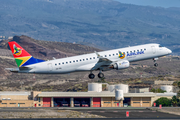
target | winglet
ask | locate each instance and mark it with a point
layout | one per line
(97, 54)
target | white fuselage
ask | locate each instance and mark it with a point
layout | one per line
(87, 61)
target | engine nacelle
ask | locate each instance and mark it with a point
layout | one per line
(121, 65)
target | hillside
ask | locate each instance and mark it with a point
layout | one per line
(47, 49)
(136, 75)
(104, 24)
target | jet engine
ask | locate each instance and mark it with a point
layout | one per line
(121, 65)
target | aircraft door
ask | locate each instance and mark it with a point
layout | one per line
(50, 67)
(153, 49)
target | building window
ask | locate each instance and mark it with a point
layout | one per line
(39, 104)
(39, 99)
(3, 103)
(107, 102)
(136, 102)
(145, 102)
(21, 103)
(116, 102)
(12, 103)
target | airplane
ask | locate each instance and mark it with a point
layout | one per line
(101, 61)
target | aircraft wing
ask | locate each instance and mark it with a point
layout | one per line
(103, 62)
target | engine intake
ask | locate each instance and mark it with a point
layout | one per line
(121, 65)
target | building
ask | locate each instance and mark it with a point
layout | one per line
(95, 97)
(78, 99)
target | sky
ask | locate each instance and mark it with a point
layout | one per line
(155, 3)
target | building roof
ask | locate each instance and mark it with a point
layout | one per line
(14, 93)
(92, 94)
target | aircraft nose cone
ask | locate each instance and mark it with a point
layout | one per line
(169, 51)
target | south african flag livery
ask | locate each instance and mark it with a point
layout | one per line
(22, 57)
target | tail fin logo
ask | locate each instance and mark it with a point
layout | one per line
(17, 51)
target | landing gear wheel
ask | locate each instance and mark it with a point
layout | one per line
(155, 64)
(91, 76)
(100, 75)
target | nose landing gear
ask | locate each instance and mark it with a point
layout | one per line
(155, 64)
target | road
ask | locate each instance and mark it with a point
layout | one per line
(133, 113)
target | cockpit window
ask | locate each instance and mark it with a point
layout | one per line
(160, 46)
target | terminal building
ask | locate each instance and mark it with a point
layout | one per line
(95, 97)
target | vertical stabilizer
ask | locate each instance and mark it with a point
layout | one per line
(22, 57)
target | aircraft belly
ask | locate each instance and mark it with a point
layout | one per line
(86, 67)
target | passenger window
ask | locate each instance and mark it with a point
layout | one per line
(134, 50)
(83, 59)
(62, 62)
(59, 63)
(80, 60)
(105, 55)
(124, 53)
(69, 61)
(113, 54)
(109, 54)
(141, 50)
(116, 53)
(86, 58)
(130, 51)
(138, 50)
(127, 52)
(66, 62)
(76, 60)
(144, 48)
(93, 57)
(90, 58)
(55, 64)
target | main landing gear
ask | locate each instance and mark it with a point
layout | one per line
(92, 76)
(155, 64)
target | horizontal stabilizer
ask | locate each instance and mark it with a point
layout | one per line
(18, 69)
(12, 69)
